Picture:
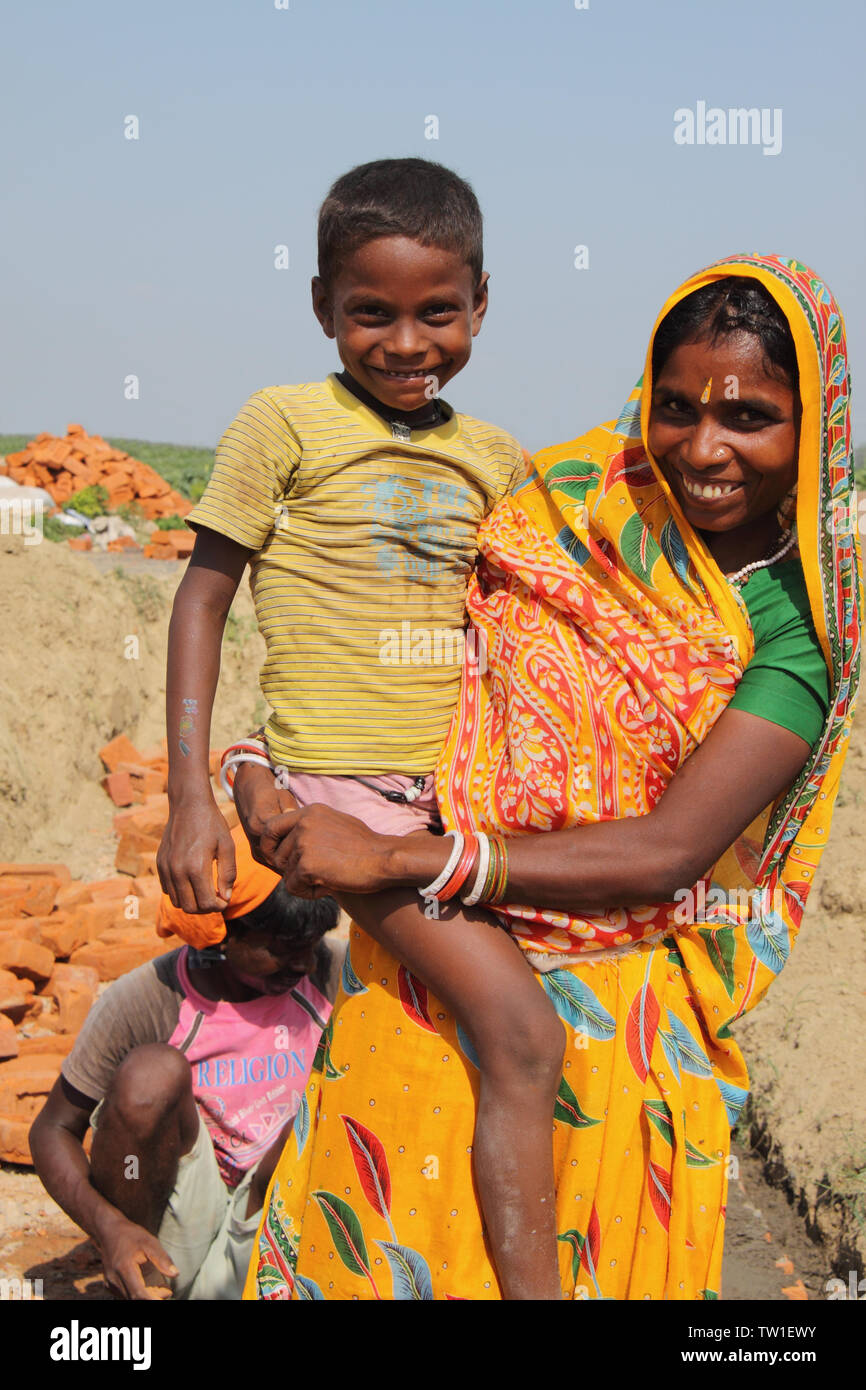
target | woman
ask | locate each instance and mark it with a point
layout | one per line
(622, 594)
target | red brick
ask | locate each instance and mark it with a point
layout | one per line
(26, 960)
(118, 785)
(80, 543)
(31, 897)
(147, 888)
(10, 983)
(12, 907)
(74, 995)
(8, 1038)
(16, 1007)
(42, 896)
(72, 895)
(132, 845)
(108, 889)
(99, 915)
(147, 781)
(64, 936)
(113, 959)
(150, 818)
(25, 1082)
(56, 1045)
(59, 871)
(20, 929)
(14, 1145)
(119, 750)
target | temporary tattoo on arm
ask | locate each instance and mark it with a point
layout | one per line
(187, 725)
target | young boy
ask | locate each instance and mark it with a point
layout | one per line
(356, 502)
(190, 1070)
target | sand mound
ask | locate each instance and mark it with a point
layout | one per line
(70, 680)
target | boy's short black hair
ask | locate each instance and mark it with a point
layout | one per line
(302, 921)
(410, 197)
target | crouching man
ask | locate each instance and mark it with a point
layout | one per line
(189, 1071)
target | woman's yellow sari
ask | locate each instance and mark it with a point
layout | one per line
(613, 643)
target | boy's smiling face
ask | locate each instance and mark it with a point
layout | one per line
(402, 313)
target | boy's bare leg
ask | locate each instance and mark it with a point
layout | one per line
(477, 971)
(149, 1115)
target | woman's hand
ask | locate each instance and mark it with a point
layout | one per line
(195, 836)
(318, 851)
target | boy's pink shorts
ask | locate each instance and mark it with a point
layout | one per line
(352, 796)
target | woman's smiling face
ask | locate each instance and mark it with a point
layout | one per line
(730, 453)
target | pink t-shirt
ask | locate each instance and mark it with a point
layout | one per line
(250, 1064)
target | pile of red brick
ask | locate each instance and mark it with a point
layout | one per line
(65, 466)
(61, 939)
(170, 545)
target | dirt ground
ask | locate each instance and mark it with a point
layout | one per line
(71, 678)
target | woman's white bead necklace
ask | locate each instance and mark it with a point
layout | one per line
(742, 575)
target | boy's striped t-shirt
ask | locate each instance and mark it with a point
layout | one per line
(363, 548)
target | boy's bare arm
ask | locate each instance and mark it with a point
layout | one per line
(196, 833)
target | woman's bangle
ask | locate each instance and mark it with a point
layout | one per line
(474, 895)
(464, 867)
(439, 882)
(496, 883)
(429, 893)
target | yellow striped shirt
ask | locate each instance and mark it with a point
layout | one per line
(363, 547)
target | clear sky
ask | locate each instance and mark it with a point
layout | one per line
(155, 256)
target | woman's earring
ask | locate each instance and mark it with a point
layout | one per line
(787, 510)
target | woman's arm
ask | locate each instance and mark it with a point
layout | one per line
(744, 764)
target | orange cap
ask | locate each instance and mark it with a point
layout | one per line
(252, 885)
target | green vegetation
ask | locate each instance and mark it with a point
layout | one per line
(170, 523)
(90, 501)
(13, 443)
(54, 530)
